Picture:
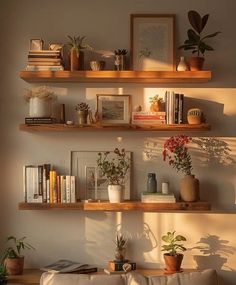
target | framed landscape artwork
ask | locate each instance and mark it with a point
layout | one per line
(152, 42)
(113, 109)
(90, 184)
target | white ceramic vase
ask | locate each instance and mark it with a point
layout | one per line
(39, 107)
(115, 193)
(182, 66)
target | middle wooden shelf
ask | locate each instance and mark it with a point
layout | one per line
(95, 128)
(121, 207)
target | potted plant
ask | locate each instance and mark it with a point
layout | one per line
(120, 58)
(82, 110)
(196, 42)
(176, 153)
(121, 242)
(173, 256)
(12, 257)
(114, 169)
(76, 44)
(40, 101)
(3, 274)
(156, 103)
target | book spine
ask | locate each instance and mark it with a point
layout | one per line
(181, 109)
(176, 108)
(72, 189)
(40, 179)
(53, 183)
(68, 189)
(58, 189)
(63, 188)
(24, 185)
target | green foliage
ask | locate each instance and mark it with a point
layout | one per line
(114, 169)
(3, 274)
(82, 107)
(173, 247)
(77, 43)
(196, 42)
(121, 241)
(156, 98)
(17, 246)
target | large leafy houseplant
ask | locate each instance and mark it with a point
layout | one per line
(173, 248)
(196, 41)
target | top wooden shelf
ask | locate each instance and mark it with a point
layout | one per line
(108, 76)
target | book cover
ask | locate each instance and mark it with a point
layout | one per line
(67, 266)
(118, 265)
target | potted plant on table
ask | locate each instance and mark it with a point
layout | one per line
(196, 42)
(12, 258)
(173, 256)
(76, 45)
(176, 153)
(115, 170)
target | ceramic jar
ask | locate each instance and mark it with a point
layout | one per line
(115, 193)
(151, 183)
(39, 108)
(182, 66)
(189, 188)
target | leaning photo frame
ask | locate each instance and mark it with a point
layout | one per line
(113, 109)
(36, 44)
(152, 42)
(90, 184)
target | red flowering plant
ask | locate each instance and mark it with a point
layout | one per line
(176, 153)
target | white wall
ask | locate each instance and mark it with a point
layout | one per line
(88, 237)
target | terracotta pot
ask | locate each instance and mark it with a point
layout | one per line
(189, 188)
(196, 63)
(115, 193)
(14, 266)
(173, 262)
(76, 60)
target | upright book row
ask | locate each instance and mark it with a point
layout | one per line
(174, 104)
(41, 184)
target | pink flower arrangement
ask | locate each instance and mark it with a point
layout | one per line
(176, 153)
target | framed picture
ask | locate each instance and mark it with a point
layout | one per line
(113, 109)
(36, 44)
(90, 184)
(152, 42)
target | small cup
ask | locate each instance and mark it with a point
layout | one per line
(165, 187)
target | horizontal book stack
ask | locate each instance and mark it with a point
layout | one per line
(174, 104)
(40, 120)
(116, 267)
(39, 60)
(148, 118)
(158, 197)
(41, 184)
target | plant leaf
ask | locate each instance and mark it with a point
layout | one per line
(211, 35)
(195, 20)
(204, 20)
(193, 36)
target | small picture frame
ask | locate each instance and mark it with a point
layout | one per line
(113, 109)
(36, 44)
(152, 42)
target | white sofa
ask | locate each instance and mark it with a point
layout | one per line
(206, 277)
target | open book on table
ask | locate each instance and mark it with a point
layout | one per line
(67, 266)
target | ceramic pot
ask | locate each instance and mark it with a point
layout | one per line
(14, 266)
(173, 262)
(189, 188)
(82, 117)
(115, 193)
(196, 63)
(119, 62)
(194, 116)
(76, 60)
(39, 107)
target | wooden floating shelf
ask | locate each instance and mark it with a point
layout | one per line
(120, 207)
(108, 76)
(97, 128)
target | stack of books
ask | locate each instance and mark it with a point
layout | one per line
(174, 104)
(39, 60)
(148, 118)
(39, 120)
(41, 184)
(158, 197)
(116, 267)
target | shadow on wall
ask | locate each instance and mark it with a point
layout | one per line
(214, 252)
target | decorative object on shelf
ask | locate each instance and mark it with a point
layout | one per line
(152, 42)
(40, 101)
(3, 274)
(176, 152)
(182, 66)
(173, 258)
(165, 188)
(151, 183)
(76, 44)
(113, 109)
(115, 170)
(196, 41)
(90, 183)
(12, 257)
(36, 44)
(137, 108)
(120, 250)
(120, 60)
(82, 110)
(96, 65)
(157, 104)
(194, 116)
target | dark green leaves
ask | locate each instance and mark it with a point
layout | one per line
(196, 21)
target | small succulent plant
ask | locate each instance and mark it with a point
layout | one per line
(82, 107)
(120, 52)
(77, 43)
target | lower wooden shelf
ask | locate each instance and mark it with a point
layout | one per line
(120, 207)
